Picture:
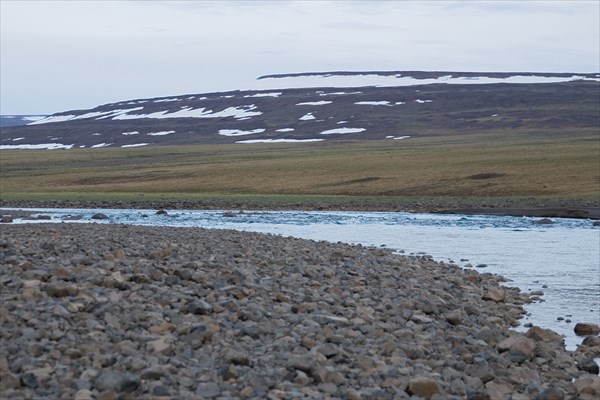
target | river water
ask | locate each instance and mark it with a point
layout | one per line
(562, 259)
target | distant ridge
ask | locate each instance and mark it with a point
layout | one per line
(430, 74)
(319, 107)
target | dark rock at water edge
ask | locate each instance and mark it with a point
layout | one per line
(584, 329)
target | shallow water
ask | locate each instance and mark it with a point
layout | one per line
(561, 259)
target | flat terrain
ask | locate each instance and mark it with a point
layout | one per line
(422, 174)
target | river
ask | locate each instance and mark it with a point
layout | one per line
(562, 259)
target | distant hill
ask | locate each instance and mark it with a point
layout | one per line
(326, 106)
(18, 120)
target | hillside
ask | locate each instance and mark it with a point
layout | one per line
(324, 107)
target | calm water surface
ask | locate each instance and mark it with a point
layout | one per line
(561, 259)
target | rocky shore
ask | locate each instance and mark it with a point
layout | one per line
(90, 311)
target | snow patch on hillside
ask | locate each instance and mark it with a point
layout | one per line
(307, 117)
(397, 137)
(42, 146)
(342, 131)
(337, 93)
(161, 133)
(250, 141)
(238, 132)
(135, 145)
(373, 103)
(314, 103)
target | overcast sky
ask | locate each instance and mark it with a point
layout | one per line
(63, 55)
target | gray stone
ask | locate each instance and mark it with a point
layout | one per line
(305, 363)
(208, 390)
(117, 381)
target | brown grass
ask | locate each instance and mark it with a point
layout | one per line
(558, 168)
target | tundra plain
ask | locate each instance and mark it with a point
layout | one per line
(369, 174)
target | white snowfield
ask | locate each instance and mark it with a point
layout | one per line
(237, 132)
(95, 114)
(130, 133)
(251, 141)
(238, 112)
(363, 80)
(96, 146)
(188, 112)
(284, 130)
(270, 94)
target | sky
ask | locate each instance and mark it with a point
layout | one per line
(64, 55)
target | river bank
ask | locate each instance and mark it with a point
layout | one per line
(107, 311)
(543, 208)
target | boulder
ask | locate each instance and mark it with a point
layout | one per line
(423, 386)
(99, 216)
(517, 343)
(495, 294)
(60, 289)
(585, 329)
(117, 381)
(588, 385)
(589, 365)
(544, 335)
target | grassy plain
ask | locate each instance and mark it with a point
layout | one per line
(559, 168)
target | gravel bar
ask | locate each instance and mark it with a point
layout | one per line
(94, 311)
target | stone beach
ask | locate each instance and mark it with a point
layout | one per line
(95, 311)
